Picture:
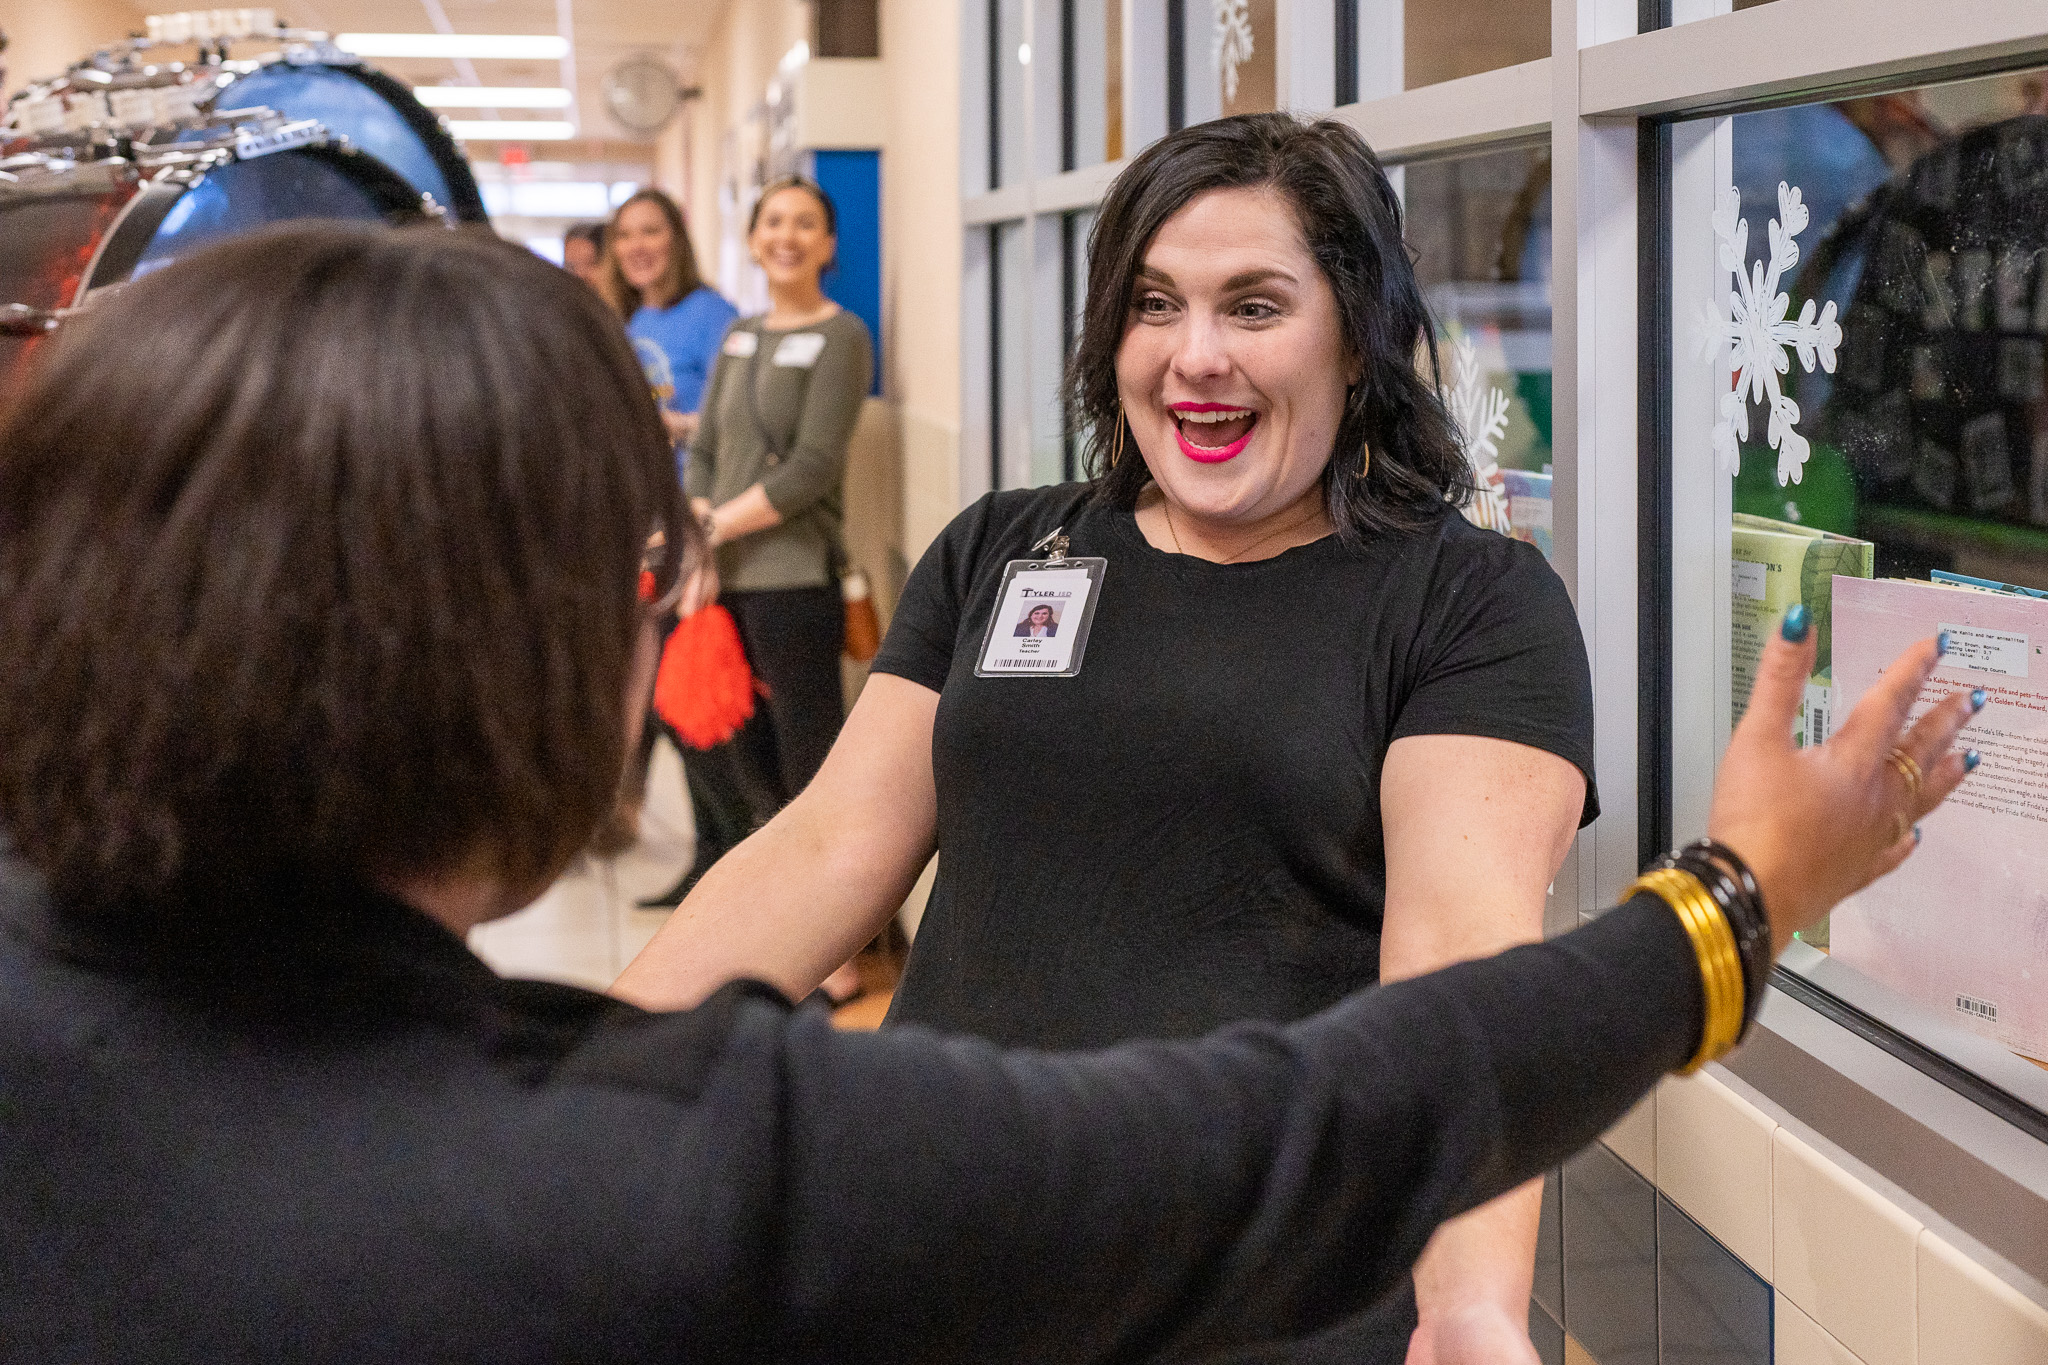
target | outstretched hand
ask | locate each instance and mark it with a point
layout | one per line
(1819, 823)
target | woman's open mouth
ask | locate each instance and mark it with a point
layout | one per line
(1212, 432)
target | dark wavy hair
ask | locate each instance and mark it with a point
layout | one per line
(349, 591)
(1351, 221)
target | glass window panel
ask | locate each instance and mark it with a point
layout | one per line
(1012, 321)
(1010, 138)
(1891, 446)
(1074, 230)
(1094, 82)
(1048, 353)
(1228, 48)
(1480, 230)
(1442, 40)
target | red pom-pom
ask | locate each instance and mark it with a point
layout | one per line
(704, 687)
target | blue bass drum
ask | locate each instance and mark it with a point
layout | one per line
(69, 227)
(175, 216)
(376, 113)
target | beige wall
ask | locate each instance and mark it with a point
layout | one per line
(921, 237)
(903, 481)
(48, 35)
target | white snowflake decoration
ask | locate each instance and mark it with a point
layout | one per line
(1481, 412)
(1759, 333)
(1233, 45)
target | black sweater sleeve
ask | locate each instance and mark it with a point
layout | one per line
(938, 1199)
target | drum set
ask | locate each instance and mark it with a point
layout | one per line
(123, 164)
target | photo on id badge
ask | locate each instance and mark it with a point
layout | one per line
(1040, 621)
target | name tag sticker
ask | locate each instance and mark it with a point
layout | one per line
(1039, 628)
(741, 344)
(799, 350)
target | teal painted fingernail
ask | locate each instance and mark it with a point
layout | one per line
(1941, 643)
(1916, 834)
(1796, 622)
(1971, 760)
(1977, 700)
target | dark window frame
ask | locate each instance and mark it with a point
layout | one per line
(1344, 46)
(995, 356)
(1176, 65)
(1067, 90)
(995, 94)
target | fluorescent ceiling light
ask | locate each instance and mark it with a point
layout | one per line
(491, 96)
(519, 47)
(510, 130)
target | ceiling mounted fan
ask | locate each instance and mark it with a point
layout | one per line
(643, 92)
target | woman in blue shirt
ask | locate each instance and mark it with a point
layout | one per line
(675, 320)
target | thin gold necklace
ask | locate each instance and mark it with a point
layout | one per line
(1166, 507)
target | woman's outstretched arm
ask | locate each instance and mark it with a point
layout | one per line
(1475, 831)
(1266, 1181)
(945, 1201)
(806, 891)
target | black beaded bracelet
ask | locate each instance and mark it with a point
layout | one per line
(1733, 886)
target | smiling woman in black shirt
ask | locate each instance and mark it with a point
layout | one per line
(271, 741)
(1323, 731)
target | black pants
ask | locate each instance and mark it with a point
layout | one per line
(793, 638)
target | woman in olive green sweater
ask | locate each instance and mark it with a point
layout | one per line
(766, 474)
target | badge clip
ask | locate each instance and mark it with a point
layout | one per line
(1053, 547)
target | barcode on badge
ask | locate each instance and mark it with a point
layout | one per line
(1026, 663)
(1982, 1009)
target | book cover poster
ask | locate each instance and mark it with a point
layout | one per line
(1773, 565)
(1962, 927)
(1528, 507)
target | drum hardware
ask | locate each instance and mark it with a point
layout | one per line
(106, 219)
(121, 166)
(190, 26)
(20, 320)
(116, 104)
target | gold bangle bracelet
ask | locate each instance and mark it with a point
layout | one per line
(1718, 966)
(1722, 1007)
(1713, 942)
(1726, 961)
(1721, 989)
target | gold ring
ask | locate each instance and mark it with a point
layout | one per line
(1908, 769)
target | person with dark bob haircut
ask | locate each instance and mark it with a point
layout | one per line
(316, 653)
(1343, 735)
(261, 610)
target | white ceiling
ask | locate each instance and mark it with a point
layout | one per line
(605, 32)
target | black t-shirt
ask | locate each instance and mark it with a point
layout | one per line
(1188, 832)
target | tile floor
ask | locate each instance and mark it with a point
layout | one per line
(589, 925)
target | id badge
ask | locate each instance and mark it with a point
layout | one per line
(1039, 628)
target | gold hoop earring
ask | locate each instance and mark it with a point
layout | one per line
(1366, 468)
(1116, 451)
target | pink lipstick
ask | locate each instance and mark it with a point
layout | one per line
(1195, 413)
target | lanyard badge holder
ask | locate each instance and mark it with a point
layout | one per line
(1039, 627)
